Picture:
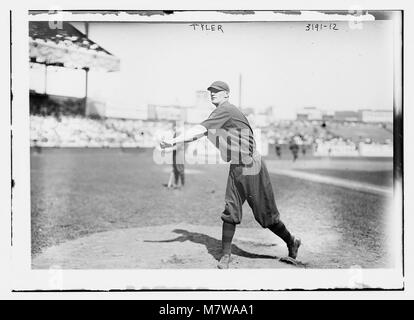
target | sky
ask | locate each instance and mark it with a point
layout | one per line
(280, 63)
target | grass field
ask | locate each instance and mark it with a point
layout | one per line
(380, 178)
(372, 170)
(78, 192)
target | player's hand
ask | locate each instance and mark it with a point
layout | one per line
(165, 144)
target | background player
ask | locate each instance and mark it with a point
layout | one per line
(178, 163)
(177, 178)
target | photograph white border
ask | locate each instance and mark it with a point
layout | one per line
(26, 279)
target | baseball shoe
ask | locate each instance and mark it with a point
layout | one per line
(224, 262)
(293, 248)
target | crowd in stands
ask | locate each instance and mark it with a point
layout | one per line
(333, 138)
(311, 132)
(77, 131)
(322, 138)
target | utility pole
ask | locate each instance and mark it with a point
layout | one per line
(85, 102)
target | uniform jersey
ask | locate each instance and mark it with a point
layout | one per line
(229, 130)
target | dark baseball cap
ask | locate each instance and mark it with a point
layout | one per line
(219, 86)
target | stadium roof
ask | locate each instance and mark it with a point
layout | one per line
(64, 45)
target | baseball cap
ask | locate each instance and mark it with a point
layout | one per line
(220, 86)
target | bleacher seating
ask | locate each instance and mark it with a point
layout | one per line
(76, 131)
(334, 139)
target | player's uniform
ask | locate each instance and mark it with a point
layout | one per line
(229, 130)
(178, 163)
(295, 149)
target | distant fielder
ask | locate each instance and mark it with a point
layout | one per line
(229, 130)
(177, 176)
(178, 164)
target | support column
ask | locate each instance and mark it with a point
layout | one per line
(85, 99)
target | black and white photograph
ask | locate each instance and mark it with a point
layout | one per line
(231, 150)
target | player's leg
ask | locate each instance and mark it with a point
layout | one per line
(176, 175)
(180, 168)
(227, 235)
(281, 231)
(170, 181)
(260, 197)
(231, 215)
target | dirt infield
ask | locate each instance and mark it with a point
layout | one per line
(181, 246)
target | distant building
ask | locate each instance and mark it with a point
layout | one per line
(169, 112)
(327, 117)
(346, 116)
(261, 120)
(201, 109)
(367, 116)
(202, 98)
(309, 113)
(376, 115)
(118, 110)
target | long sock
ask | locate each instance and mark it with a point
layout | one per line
(227, 236)
(280, 230)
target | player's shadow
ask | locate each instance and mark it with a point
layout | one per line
(213, 245)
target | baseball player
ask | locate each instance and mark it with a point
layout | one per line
(229, 130)
(294, 148)
(178, 163)
(278, 149)
(177, 177)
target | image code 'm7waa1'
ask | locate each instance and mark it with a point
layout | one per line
(227, 309)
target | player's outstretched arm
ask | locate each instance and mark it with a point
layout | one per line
(191, 134)
(168, 149)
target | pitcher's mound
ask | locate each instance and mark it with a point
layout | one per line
(180, 246)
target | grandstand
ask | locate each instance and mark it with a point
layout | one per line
(328, 139)
(80, 131)
(359, 132)
(332, 138)
(58, 121)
